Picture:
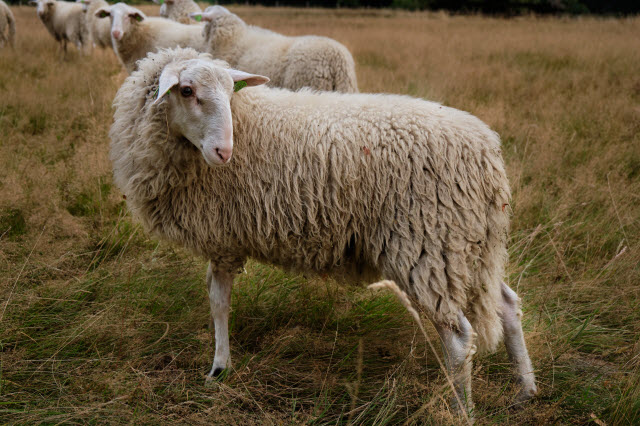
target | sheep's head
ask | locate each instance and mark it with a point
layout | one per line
(123, 18)
(163, 6)
(85, 4)
(212, 17)
(198, 93)
(44, 7)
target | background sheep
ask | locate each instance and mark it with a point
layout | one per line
(99, 29)
(7, 26)
(65, 22)
(290, 62)
(407, 188)
(134, 34)
(178, 10)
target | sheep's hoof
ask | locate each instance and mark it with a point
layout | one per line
(216, 375)
(523, 396)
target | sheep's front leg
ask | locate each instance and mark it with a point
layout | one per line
(459, 350)
(220, 300)
(516, 347)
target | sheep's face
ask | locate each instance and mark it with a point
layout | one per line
(198, 93)
(123, 18)
(45, 7)
(210, 17)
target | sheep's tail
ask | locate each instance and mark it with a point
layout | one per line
(485, 297)
(12, 30)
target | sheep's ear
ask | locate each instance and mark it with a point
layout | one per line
(249, 79)
(137, 16)
(103, 12)
(169, 78)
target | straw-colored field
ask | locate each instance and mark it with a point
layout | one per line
(99, 323)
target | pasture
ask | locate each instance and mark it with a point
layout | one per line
(101, 323)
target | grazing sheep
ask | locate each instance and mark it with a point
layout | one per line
(7, 26)
(99, 29)
(290, 62)
(178, 10)
(65, 22)
(412, 190)
(134, 34)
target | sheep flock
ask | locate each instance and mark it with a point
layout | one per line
(238, 142)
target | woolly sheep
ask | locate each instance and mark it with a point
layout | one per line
(7, 26)
(99, 29)
(178, 10)
(412, 190)
(65, 22)
(134, 34)
(290, 62)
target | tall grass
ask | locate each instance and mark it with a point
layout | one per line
(99, 323)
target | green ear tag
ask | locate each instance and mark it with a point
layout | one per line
(239, 85)
(198, 18)
(138, 18)
(161, 1)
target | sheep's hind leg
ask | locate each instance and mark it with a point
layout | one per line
(459, 350)
(220, 284)
(515, 344)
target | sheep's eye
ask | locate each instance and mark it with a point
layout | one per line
(186, 91)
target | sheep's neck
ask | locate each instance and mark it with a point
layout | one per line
(134, 45)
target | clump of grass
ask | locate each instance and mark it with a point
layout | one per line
(12, 223)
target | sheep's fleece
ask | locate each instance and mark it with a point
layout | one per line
(178, 10)
(291, 62)
(410, 189)
(100, 29)
(7, 25)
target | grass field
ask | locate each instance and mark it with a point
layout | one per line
(100, 323)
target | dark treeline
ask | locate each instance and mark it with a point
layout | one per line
(504, 7)
(499, 7)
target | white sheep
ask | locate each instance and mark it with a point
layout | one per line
(7, 26)
(290, 62)
(65, 22)
(409, 189)
(178, 10)
(134, 34)
(99, 29)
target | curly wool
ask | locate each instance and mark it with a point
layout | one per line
(7, 25)
(319, 63)
(66, 22)
(153, 34)
(411, 189)
(99, 29)
(179, 10)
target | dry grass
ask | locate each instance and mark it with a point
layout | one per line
(100, 323)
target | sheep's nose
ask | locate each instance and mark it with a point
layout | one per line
(116, 34)
(224, 154)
